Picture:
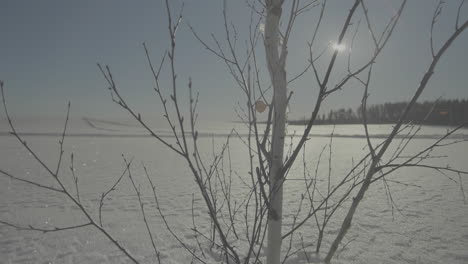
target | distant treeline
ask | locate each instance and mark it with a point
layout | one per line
(442, 112)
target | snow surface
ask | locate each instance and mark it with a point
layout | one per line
(429, 226)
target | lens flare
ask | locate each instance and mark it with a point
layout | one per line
(338, 47)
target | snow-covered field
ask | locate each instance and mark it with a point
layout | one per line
(429, 225)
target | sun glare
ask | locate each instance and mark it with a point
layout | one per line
(338, 47)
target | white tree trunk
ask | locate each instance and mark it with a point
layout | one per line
(276, 67)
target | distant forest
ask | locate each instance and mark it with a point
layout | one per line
(442, 112)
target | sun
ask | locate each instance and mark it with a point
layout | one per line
(338, 47)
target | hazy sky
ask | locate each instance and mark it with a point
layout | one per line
(49, 50)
